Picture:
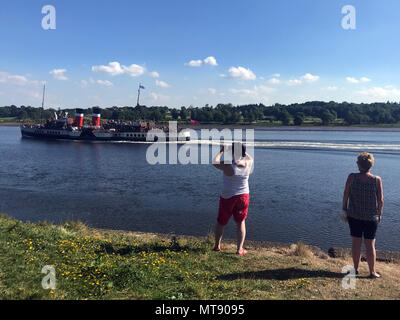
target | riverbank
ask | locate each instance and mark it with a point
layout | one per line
(104, 264)
(10, 124)
(292, 128)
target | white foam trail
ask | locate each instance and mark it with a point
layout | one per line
(308, 145)
(282, 144)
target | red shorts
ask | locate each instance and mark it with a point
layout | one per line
(236, 206)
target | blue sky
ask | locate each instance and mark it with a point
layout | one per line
(198, 52)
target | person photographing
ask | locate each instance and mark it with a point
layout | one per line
(234, 197)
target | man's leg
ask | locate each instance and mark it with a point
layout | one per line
(219, 231)
(240, 235)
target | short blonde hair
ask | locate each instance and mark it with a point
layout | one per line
(365, 160)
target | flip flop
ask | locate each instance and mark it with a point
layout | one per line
(242, 253)
(374, 276)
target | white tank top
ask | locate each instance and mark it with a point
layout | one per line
(238, 183)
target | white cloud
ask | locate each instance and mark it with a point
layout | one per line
(159, 97)
(16, 79)
(212, 90)
(352, 80)
(105, 83)
(256, 93)
(198, 63)
(194, 63)
(274, 81)
(211, 61)
(154, 74)
(84, 83)
(294, 82)
(162, 84)
(134, 70)
(59, 74)
(308, 77)
(240, 73)
(365, 79)
(115, 69)
(332, 88)
(276, 75)
(384, 93)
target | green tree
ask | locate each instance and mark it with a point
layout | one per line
(184, 113)
(298, 119)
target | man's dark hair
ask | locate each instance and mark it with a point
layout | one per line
(238, 145)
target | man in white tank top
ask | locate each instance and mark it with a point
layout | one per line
(234, 199)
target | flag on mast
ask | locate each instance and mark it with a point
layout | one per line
(141, 87)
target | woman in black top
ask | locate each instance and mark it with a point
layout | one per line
(363, 202)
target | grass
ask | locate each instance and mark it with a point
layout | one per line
(301, 250)
(99, 264)
(8, 120)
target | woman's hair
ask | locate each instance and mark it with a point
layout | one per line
(365, 161)
(238, 146)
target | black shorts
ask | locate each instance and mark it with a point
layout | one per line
(360, 228)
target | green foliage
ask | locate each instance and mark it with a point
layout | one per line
(298, 119)
(327, 113)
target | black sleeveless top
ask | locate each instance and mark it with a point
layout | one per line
(363, 199)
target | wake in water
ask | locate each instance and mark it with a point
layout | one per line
(281, 144)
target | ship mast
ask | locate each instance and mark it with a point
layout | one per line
(140, 87)
(41, 114)
(138, 96)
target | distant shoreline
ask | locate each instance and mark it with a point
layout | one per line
(262, 128)
(9, 124)
(291, 128)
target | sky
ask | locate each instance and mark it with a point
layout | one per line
(187, 52)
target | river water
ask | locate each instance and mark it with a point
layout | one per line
(296, 187)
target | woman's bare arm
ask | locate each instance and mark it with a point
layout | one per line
(347, 192)
(250, 163)
(217, 161)
(379, 196)
(226, 168)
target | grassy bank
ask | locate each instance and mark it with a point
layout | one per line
(96, 264)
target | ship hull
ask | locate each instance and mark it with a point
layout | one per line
(94, 135)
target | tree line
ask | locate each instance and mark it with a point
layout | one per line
(325, 113)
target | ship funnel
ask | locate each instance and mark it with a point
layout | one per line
(96, 117)
(78, 118)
